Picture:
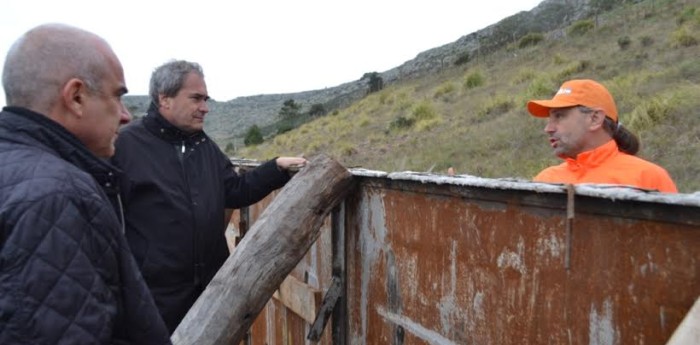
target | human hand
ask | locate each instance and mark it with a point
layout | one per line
(290, 163)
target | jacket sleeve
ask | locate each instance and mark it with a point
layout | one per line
(55, 281)
(252, 186)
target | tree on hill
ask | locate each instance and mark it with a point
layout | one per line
(253, 136)
(374, 81)
(290, 109)
(317, 109)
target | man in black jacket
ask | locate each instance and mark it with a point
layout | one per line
(67, 275)
(179, 185)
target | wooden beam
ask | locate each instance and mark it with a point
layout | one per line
(688, 332)
(274, 245)
(300, 298)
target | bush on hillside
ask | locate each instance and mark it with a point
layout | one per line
(531, 39)
(571, 69)
(401, 122)
(649, 113)
(289, 109)
(444, 89)
(581, 27)
(683, 38)
(317, 109)
(474, 79)
(646, 41)
(253, 136)
(462, 59)
(688, 15)
(624, 42)
(230, 149)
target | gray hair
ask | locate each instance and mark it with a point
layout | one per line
(168, 78)
(42, 60)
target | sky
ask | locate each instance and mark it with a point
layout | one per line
(258, 47)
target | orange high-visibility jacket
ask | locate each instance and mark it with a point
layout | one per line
(606, 164)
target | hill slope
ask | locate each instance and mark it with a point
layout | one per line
(472, 116)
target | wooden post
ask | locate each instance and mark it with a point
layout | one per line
(275, 244)
(688, 332)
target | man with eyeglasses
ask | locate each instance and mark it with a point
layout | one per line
(584, 131)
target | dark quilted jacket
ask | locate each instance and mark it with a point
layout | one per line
(66, 273)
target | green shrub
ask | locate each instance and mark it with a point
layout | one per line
(284, 127)
(524, 75)
(230, 149)
(581, 27)
(253, 136)
(474, 79)
(531, 39)
(540, 87)
(401, 122)
(444, 89)
(646, 41)
(496, 106)
(687, 15)
(558, 59)
(624, 42)
(649, 112)
(462, 59)
(423, 111)
(571, 69)
(683, 38)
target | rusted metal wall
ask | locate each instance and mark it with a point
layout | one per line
(436, 260)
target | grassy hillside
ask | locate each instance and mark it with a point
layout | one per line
(473, 116)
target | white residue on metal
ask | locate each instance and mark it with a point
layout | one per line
(478, 307)
(550, 245)
(514, 260)
(649, 267)
(662, 318)
(427, 335)
(614, 192)
(448, 304)
(372, 241)
(368, 173)
(601, 325)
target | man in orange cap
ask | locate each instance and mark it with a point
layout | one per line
(583, 129)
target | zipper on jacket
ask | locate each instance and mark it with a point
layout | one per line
(121, 213)
(195, 238)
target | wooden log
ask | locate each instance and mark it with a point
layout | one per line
(274, 245)
(688, 332)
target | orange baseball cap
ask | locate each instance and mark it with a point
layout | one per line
(585, 92)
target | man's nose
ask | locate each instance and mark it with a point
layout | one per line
(124, 115)
(549, 127)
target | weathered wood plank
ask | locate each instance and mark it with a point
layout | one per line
(300, 298)
(277, 241)
(688, 332)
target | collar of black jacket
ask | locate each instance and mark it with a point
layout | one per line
(160, 127)
(31, 128)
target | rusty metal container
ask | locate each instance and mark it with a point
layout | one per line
(430, 259)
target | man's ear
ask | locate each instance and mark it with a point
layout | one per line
(164, 101)
(597, 119)
(73, 95)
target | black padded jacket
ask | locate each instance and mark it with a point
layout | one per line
(67, 275)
